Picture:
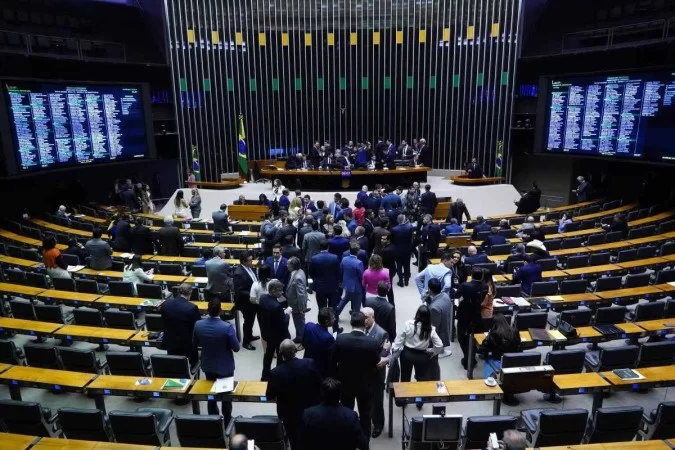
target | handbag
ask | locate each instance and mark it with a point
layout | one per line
(567, 329)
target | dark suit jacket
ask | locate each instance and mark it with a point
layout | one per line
(355, 358)
(220, 221)
(480, 258)
(296, 385)
(141, 243)
(286, 230)
(318, 343)
(402, 236)
(282, 274)
(428, 202)
(179, 316)
(290, 251)
(218, 340)
(338, 245)
(331, 427)
(431, 237)
(324, 270)
(388, 255)
(364, 244)
(475, 170)
(385, 314)
(494, 239)
(457, 212)
(123, 237)
(468, 311)
(170, 242)
(478, 228)
(242, 284)
(272, 319)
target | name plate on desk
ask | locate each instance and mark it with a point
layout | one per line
(527, 369)
(346, 173)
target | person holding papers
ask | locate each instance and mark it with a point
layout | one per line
(218, 340)
(55, 266)
(134, 273)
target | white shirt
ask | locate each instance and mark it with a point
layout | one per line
(410, 337)
(257, 291)
(250, 273)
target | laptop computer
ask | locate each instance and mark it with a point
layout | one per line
(607, 329)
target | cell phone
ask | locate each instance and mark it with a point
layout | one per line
(494, 443)
(251, 444)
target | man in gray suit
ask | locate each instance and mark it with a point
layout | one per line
(221, 223)
(377, 332)
(296, 294)
(218, 273)
(99, 251)
(311, 242)
(441, 314)
(306, 228)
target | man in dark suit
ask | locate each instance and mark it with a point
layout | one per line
(328, 162)
(218, 341)
(324, 270)
(355, 358)
(287, 230)
(474, 169)
(428, 201)
(220, 218)
(296, 385)
(243, 279)
(468, 316)
(340, 160)
(180, 316)
(362, 240)
(315, 154)
(583, 191)
(473, 257)
(305, 228)
(494, 239)
(331, 426)
(278, 264)
(388, 254)
(392, 200)
(458, 210)
(289, 250)
(378, 333)
(273, 325)
(123, 236)
(362, 255)
(141, 243)
(424, 154)
(240, 201)
(390, 157)
(311, 242)
(402, 236)
(170, 241)
(319, 342)
(440, 307)
(480, 226)
(385, 314)
(293, 161)
(338, 244)
(430, 240)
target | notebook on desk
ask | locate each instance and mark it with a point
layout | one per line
(607, 329)
(539, 334)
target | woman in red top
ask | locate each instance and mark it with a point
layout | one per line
(51, 256)
(359, 213)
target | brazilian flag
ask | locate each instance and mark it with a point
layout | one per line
(241, 150)
(195, 163)
(499, 160)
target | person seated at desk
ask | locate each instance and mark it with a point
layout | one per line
(512, 440)
(207, 254)
(454, 228)
(474, 170)
(564, 221)
(504, 225)
(76, 249)
(517, 254)
(481, 226)
(473, 257)
(293, 162)
(537, 234)
(502, 338)
(61, 212)
(55, 266)
(240, 201)
(494, 239)
(527, 227)
(134, 273)
(528, 274)
(618, 224)
(328, 162)
(263, 201)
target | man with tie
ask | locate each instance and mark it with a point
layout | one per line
(327, 162)
(384, 312)
(402, 236)
(424, 154)
(382, 337)
(272, 318)
(243, 278)
(474, 170)
(391, 154)
(405, 150)
(278, 264)
(352, 273)
(324, 270)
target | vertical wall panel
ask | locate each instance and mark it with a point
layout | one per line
(306, 70)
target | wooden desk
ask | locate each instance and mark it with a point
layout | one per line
(19, 290)
(611, 246)
(71, 444)
(61, 229)
(427, 391)
(655, 238)
(466, 181)
(655, 377)
(547, 274)
(658, 326)
(666, 287)
(96, 335)
(569, 251)
(184, 259)
(571, 206)
(651, 219)
(634, 445)
(201, 391)
(609, 212)
(572, 234)
(30, 327)
(333, 179)
(23, 263)
(592, 270)
(117, 385)
(26, 240)
(16, 441)
(647, 262)
(67, 297)
(582, 383)
(135, 303)
(36, 377)
(567, 300)
(4, 367)
(91, 219)
(626, 295)
(230, 246)
(113, 275)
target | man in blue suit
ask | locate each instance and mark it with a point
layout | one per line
(473, 257)
(218, 340)
(338, 244)
(392, 200)
(318, 341)
(402, 236)
(278, 264)
(324, 270)
(494, 239)
(391, 154)
(352, 273)
(481, 226)
(363, 255)
(296, 385)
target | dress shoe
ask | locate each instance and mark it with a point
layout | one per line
(376, 432)
(405, 282)
(400, 284)
(297, 341)
(338, 330)
(255, 338)
(308, 310)
(248, 346)
(299, 347)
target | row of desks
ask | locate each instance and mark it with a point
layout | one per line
(571, 384)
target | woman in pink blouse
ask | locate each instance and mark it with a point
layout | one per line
(374, 274)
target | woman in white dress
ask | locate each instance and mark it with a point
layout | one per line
(182, 208)
(259, 288)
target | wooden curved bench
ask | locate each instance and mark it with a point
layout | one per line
(466, 181)
(224, 184)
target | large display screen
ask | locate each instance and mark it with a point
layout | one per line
(629, 116)
(68, 124)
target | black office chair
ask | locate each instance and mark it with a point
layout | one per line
(128, 363)
(587, 224)
(553, 244)
(548, 264)
(122, 319)
(148, 265)
(71, 260)
(550, 427)
(64, 284)
(508, 234)
(117, 266)
(599, 259)
(200, 431)
(550, 229)
(573, 287)
(87, 286)
(647, 311)
(203, 238)
(646, 252)
(648, 230)
(596, 239)
(491, 267)
(82, 360)
(15, 276)
(121, 288)
(478, 429)
(574, 262)
(52, 313)
(543, 288)
(154, 322)
(654, 354)
(22, 309)
(28, 418)
(613, 236)
(198, 271)
(511, 266)
(610, 314)
(88, 316)
(147, 426)
(666, 249)
(614, 424)
(566, 361)
(267, 431)
(192, 252)
(170, 269)
(482, 235)
(611, 358)
(635, 233)
(85, 424)
(665, 276)
(521, 359)
(42, 355)
(670, 308)
(572, 242)
(637, 280)
(173, 366)
(525, 321)
(577, 317)
(607, 284)
(13, 251)
(627, 255)
(508, 291)
(666, 227)
(611, 205)
(450, 425)
(38, 280)
(501, 249)
(10, 354)
(149, 290)
(659, 423)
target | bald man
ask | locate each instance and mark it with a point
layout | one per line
(296, 385)
(240, 442)
(473, 257)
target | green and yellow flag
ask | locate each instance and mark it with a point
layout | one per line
(499, 160)
(195, 163)
(241, 151)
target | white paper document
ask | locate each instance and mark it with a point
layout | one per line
(223, 385)
(74, 268)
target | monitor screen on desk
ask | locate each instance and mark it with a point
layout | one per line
(441, 428)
